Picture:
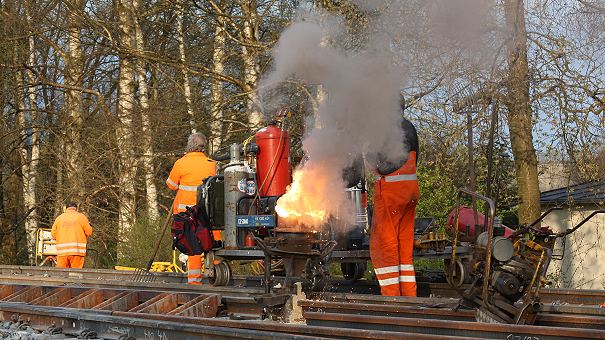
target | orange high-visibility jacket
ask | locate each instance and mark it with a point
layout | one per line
(70, 230)
(186, 175)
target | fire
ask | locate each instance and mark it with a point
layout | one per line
(304, 203)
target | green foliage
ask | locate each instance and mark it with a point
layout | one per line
(428, 264)
(369, 275)
(437, 194)
(102, 244)
(142, 239)
(509, 217)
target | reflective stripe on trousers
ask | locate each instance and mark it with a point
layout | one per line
(400, 277)
(407, 280)
(194, 270)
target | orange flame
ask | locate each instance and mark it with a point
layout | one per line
(303, 203)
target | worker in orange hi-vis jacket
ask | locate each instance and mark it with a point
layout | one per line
(186, 175)
(71, 230)
(392, 240)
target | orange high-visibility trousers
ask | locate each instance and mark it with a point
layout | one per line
(194, 270)
(70, 261)
(392, 238)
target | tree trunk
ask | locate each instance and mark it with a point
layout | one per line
(26, 169)
(251, 65)
(216, 100)
(30, 161)
(183, 59)
(74, 67)
(151, 194)
(317, 102)
(520, 114)
(125, 126)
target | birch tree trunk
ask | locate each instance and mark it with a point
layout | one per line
(26, 166)
(151, 194)
(125, 126)
(74, 67)
(217, 96)
(316, 104)
(30, 162)
(520, 114)
(183, 59)
(251, 64)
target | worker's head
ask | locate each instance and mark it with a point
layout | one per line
(196, 142)
(71, 204)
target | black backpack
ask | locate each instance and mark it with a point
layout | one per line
(190, 231)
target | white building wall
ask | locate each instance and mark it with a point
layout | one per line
(556, 175)
(583, 265)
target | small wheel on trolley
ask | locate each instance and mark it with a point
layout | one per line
(222, 274)
(353, 270)
(460, 274)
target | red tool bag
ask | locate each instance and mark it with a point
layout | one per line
(190, 232)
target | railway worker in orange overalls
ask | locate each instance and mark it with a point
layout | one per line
(392, 240)
(186, 175)
(71, 230)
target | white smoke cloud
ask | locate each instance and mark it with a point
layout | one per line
(361, 113)
(363, 74)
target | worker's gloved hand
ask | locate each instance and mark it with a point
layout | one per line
(183, 258)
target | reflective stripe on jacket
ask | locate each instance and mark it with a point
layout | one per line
(70, 230)
(186, 175)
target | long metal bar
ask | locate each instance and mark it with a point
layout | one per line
(449, 328)
(549, 297)
(173, 327)
(105, 298)
(85, 296)
(115, 279)
(389, 314)
(41, 280)
(109, 326)
(422, 311)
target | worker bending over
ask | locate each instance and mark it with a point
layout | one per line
(392, 240)
(186, 175)
(70, 230)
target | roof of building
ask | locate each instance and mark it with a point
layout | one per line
(583, 193)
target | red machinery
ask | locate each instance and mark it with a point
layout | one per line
(466, 222)
(273, 160)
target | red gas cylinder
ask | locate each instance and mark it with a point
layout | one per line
(273, 164)
(249, 240)
(466, 217)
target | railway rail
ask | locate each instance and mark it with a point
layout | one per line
(242, 285)
(106, 303)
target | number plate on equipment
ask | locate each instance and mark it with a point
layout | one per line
(247, 221)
